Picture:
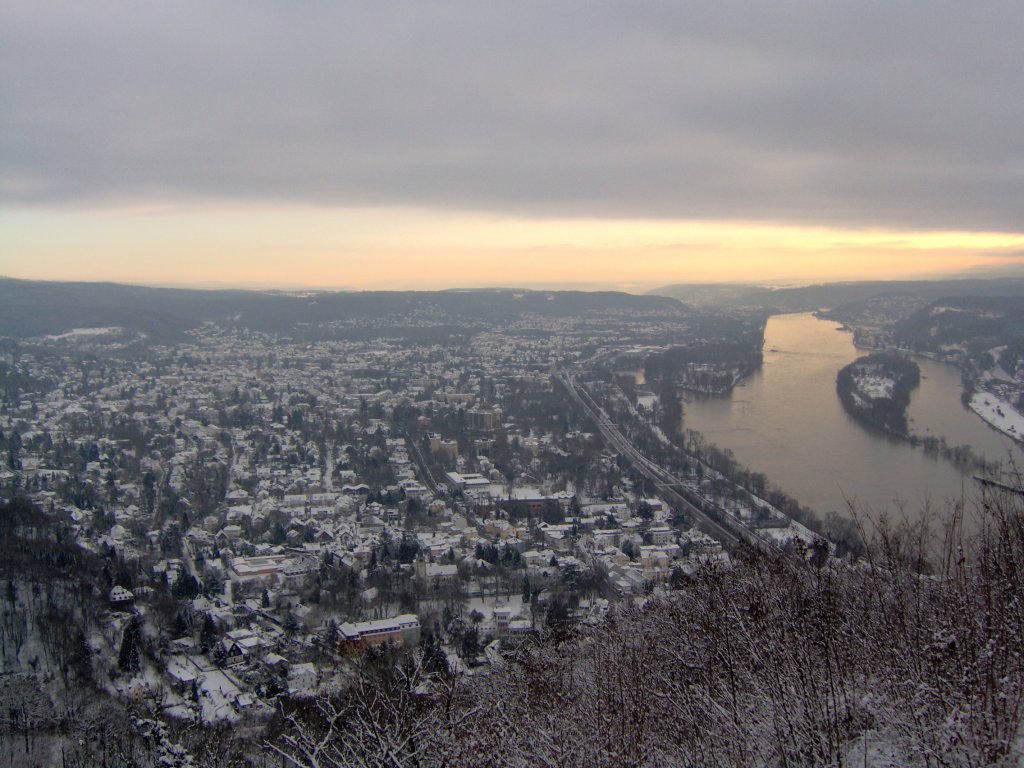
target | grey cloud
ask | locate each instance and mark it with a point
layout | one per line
(865, 114)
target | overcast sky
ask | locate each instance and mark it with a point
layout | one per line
(885, 116)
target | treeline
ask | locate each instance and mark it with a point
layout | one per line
(52, 609)
(979, 322)
(708, 367)
(886, 413)
(56, 659)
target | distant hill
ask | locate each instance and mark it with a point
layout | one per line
(33, 308)
(984, 322)
(832, 295)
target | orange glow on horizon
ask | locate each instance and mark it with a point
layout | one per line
(402, 248)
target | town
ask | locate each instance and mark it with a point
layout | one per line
(493, 385)
(263, 507)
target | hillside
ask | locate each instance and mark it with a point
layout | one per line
(30, 308)
(977, 322)
(833, 295)
(773, 660)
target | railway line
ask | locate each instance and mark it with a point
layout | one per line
(717, 523)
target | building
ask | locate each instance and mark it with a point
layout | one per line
(401, 630)
(436, 575)
(483, 420)
(121, 597)
(459, 482)
(413, 490)
(661, 534)
(242, 644)
(248, 568)
(442, 447)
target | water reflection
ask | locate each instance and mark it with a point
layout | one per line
(787, 422)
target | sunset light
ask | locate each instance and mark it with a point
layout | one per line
(373, 248)
(537, 383)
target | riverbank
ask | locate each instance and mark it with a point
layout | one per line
(998, 414)
(876, 391)
(787, 423)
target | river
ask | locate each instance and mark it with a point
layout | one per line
(786, 421)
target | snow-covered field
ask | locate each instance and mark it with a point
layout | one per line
(999, 413)
(486, 606)
(875, 387)
(84, 332)
(793, 531)
(647, 400)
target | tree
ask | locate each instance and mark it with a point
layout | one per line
(186, 586)
(382, 719)
(129, 658)
(408, 549)
(558, 618)
(220, 655)
(434, 658)
(277, 533)
(111, 486)
(290, 625)
(330, 636)
(208, 634)
(470, 648)
(644, 510)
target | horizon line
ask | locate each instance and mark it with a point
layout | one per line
(557, 286)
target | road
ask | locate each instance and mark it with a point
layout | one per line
(424, 473)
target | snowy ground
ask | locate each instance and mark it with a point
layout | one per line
(83, 332)
(793, 531)
(875, 387)
(486, 605)
(217, 692)
(875, 750)
(646, 400)
(999, 413)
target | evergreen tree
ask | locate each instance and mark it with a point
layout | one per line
(207, 634)
(471, 643)
(186, 586)
(434, 658)
(129, 659)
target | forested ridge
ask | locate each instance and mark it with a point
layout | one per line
(33, 308)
